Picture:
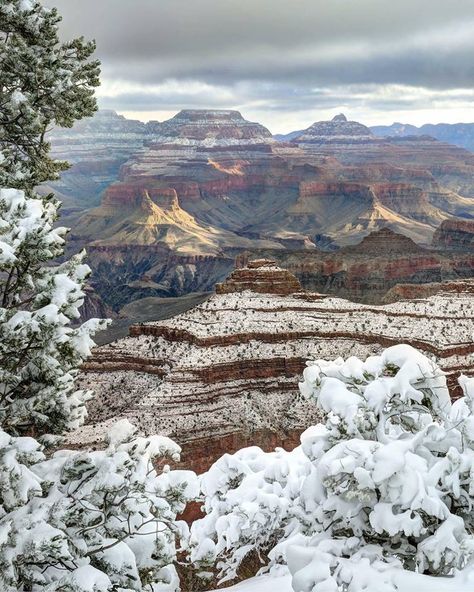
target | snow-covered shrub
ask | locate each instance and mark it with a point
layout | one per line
(248, 498)
(79, 519)
(392, 473)
(39, 350)
(384, 488)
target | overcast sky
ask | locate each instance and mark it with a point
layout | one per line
(285, 63)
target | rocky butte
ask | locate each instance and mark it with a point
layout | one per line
(224, 374)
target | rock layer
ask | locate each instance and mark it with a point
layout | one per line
(208, 184)
(455, 234)
(367, 270)
(224, 374)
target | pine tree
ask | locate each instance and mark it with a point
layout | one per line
(76, 521)
(91, 521)
(43, 83)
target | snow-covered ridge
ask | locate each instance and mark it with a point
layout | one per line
(229, 367)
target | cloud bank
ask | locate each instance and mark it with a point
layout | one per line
(284, 63)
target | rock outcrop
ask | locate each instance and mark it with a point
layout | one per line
(224, 374)
(366, 271)
(208, 127)
(418, 291)
(337, 130)
(455, 234)
(96, 147)
(260, 276)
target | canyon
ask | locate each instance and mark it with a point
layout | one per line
(165, 208)
(368, 271)
(224, 374)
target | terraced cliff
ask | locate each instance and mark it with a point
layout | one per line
(224, 374)
(367, 270)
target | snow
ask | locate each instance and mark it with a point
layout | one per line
(405, 582)
(265, 583)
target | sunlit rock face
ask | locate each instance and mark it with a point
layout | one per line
(224, 374)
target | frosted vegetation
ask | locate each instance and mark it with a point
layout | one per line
(379, 498)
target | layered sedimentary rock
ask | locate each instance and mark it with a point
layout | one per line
(455, 234)
(339, 129)
(367, 270)
(208, 127)
(224, 374)
(417, 291)
(200, 188)
(96, 147)
(261, 276)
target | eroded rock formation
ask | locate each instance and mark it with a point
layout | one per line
(200, 188)
(455, 234)
(367, 270)
(224, 374)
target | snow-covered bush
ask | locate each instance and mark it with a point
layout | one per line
(39, 350)
(83, 519)
(385, 487)
(392, 472)
(248, 498)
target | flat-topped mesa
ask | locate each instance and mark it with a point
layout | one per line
(455, 234)
(339, 129)
(262, 276)
(208, 128)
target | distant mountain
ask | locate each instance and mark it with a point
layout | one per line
(334, 131)
(288, 137)
(459, 134)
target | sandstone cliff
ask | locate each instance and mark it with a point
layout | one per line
(455, 234)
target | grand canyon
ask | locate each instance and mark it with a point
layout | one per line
(236, 301)
(167, 209)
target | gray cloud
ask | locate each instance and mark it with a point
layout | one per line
(273, 53)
